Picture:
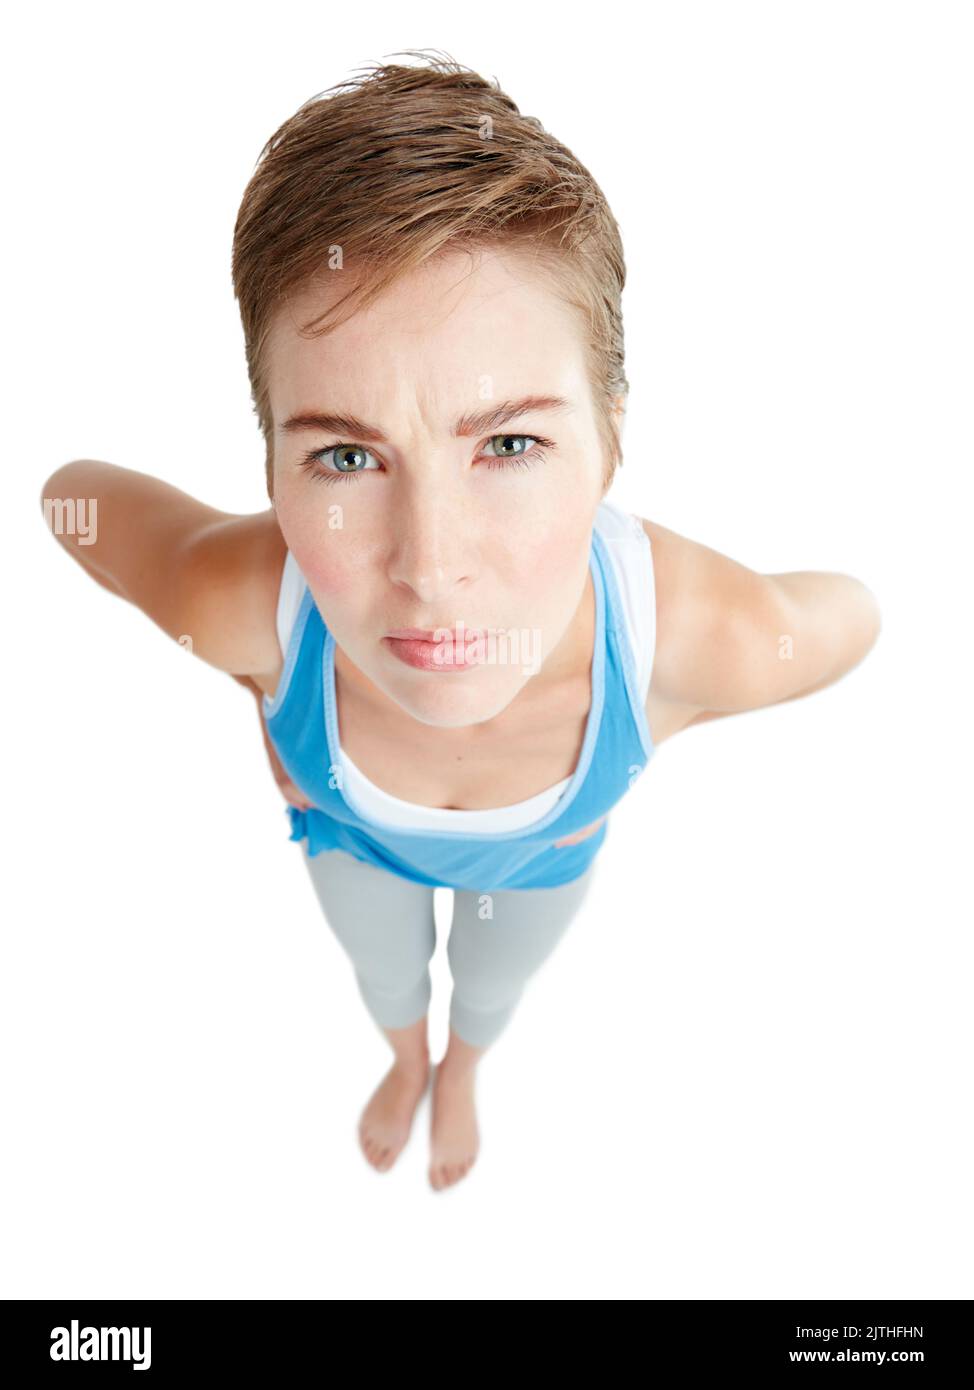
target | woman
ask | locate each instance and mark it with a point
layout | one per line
(464, 655)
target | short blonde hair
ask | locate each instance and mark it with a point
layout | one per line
(401, 165)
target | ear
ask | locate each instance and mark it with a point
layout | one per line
(619, 413)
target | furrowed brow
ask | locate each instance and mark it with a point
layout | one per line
(483, 421)
(473, 423)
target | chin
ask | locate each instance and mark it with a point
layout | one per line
(458, 708)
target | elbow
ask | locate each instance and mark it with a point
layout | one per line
(872, 618)
(826, 623)
(59, 486)
(74, 476)
(877, 614)
(70, 510)
(863, 629)
(53, 485)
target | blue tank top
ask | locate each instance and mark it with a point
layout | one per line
(302, 724)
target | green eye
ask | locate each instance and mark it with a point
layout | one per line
(350, 449)
(510, 439)
(522, 457)
(330, 475)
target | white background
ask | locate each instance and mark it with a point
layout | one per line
(746, 1071)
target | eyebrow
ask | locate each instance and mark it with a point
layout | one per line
(472, 423)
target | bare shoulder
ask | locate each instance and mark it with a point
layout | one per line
(709, 607)
(232, 578)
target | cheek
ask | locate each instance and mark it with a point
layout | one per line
(327, 556)
(543, 574)
(547, 560)
(331, 571)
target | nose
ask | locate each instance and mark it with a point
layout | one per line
(432, 551)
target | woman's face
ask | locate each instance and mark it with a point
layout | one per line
(443, 509)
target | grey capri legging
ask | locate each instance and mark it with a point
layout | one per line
(385, 924)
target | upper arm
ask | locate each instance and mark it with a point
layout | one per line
(731, 639)
(208, 578)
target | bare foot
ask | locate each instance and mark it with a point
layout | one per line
(454, 1137)
(386, 1121)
